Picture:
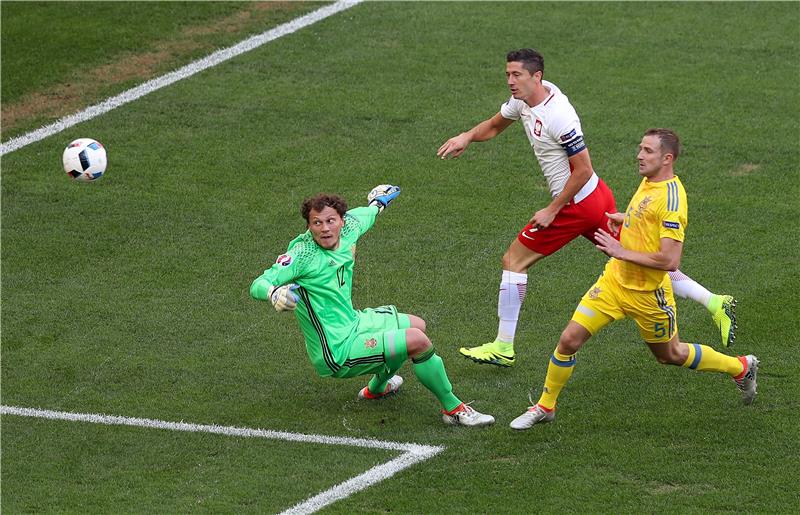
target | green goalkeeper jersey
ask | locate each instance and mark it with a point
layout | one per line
(325, 309)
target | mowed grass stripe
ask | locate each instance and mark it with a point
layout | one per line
(113, 46)
(170, 78)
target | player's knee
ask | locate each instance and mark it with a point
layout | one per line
(567, 348)
(669, 355)
(675, 358)
(512, 262)
(506, 260)
(569, 343)
(418, 323)
(416, 342)
(519, 258)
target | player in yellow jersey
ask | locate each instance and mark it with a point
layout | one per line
(635, 283)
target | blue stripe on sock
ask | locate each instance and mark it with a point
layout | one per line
(569, 363)
(698, 353)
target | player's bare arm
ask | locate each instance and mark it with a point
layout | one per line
(484, 131)
(581, 166)
(667, 258)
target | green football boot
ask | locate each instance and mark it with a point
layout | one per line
(725, 318)
(492, 353)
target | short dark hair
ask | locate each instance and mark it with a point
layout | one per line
(670, 142)
(531, 59)
(322, 200)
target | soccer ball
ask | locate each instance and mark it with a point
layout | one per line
(85, 160)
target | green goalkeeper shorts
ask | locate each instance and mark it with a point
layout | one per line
(380, 344)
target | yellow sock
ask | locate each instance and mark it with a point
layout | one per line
(706, 359)
(558, 371)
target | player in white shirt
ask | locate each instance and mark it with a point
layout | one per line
(554, 130)
(580, 199)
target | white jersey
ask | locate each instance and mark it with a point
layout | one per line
(554, 130)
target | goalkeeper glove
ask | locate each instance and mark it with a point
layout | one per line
(283, 297)
(382, 195)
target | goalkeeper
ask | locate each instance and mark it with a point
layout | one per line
(314, 278)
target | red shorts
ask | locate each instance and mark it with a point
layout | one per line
(574, 220)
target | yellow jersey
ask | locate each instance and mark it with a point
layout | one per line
(657, 210)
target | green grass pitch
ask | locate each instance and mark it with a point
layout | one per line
(129, 296)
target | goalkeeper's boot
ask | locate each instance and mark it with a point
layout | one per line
(465, 415)
(725, 318)
(746, 382)
(392, 385)
(535, 415)
(492, 353)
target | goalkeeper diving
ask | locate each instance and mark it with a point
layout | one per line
(314, 278)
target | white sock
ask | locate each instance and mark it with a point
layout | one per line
(686, 288)
(513, 287)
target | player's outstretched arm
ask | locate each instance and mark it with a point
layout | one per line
(485, 130)
(382, 195)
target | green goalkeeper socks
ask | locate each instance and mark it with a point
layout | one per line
(377, 384)
(429, 369)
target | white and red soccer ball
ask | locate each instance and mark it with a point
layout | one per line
(85, 160)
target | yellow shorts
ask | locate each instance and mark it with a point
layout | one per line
(654, 311)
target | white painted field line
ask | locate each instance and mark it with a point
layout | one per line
(360, 482)
(412, 453)
(187, 71)
(113, 420)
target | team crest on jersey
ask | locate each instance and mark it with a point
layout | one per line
(595, 292)
(537, 127)
(371, 343)
(284, 260)
(643, 206)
